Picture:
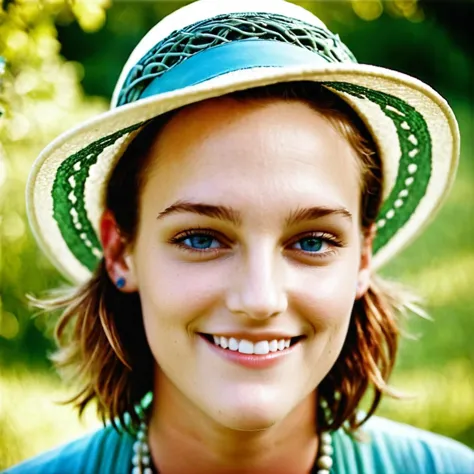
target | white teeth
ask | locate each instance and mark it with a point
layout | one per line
(233, 344)
(245, 347)
(261, 347)
(248, 347)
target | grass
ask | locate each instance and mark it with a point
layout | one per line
(440, 400)
(30, 410)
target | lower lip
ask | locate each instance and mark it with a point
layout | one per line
(253, 361)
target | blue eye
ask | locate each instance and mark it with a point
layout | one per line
(310, 244)
(200, 241)
(316, 244)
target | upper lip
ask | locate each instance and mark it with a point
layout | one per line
(254, 337)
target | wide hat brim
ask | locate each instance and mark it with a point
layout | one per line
(413, 126)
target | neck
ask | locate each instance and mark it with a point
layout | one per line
(183, 439)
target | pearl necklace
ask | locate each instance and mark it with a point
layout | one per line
(141, 460)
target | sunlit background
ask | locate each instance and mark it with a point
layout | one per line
(60, 63)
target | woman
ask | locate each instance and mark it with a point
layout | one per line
(223, 223)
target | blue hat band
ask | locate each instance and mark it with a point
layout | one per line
(231, 57)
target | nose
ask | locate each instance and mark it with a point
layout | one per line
(257, 288)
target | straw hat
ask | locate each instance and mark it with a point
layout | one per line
(213, 47)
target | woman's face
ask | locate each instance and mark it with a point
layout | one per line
(249, 229)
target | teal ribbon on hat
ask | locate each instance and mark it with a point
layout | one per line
(231, 57)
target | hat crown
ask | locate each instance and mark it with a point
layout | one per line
(202, 10)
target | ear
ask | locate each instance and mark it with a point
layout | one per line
(365, 268)
(116, 249)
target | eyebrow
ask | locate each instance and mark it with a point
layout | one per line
(314, 213)
(226, 213)
(217, 212)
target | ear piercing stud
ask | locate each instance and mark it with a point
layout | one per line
(120, 282)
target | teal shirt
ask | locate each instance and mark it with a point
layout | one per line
(392, 448)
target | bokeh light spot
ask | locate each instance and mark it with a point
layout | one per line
(9, 326)
(368, 10)
(13, 226)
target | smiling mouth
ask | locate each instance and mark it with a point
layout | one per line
(244, 346)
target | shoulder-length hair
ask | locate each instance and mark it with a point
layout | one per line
(100, 334)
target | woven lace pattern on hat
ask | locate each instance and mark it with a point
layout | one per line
(182, 44)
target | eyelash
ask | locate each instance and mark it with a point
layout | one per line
(325, 237)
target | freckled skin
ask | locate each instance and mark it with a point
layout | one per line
(265, 159)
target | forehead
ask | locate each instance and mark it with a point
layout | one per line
(258, 151)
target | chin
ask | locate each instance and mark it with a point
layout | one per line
(249, 416)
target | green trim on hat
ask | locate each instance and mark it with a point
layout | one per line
(410, 186)
(414, 169)
(69, 209)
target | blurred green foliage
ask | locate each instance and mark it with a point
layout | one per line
(61, 63)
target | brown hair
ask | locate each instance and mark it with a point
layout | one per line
(101, 335)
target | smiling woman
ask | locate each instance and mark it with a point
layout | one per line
(224, 224)
(257, 218)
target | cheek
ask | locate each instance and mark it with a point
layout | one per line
(176, 295)
(326, 303)
(326, 294)
(177, 299)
